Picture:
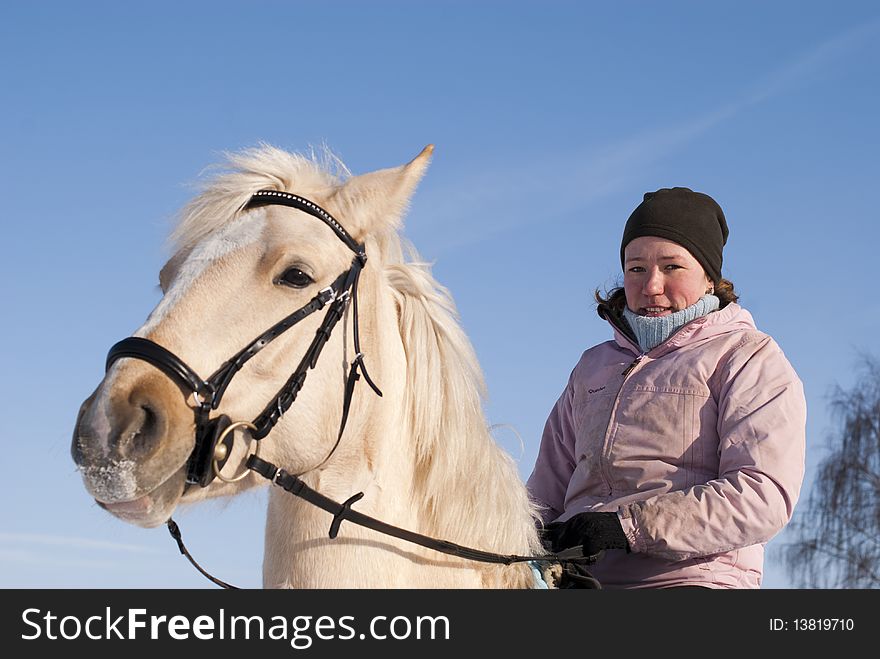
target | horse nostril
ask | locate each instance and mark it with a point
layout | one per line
(149, 418)
(142, 436)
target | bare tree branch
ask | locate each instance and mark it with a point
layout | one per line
(838, 526)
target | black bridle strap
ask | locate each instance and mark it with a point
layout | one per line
(344, 512)
(359, 357)
(276, 408)
(223, 376)
(163, 359)
(174, 530)
(285, 397)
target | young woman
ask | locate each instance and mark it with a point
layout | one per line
(676, 450)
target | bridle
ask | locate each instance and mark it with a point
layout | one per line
(214, 437)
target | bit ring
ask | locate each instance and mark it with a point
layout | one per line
(220, 451)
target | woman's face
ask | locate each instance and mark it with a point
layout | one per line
(661, 277)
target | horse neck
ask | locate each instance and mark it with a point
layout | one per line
(378, 455)
(375, 457)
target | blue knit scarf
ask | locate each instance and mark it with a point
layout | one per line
(651, 331)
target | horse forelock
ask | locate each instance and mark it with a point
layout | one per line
(232, 183)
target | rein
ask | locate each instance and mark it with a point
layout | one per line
(344, 512)
(215, 436)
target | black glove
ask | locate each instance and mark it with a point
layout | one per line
(594, 532)
(576, 575)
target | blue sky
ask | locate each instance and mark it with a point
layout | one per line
(550, 121)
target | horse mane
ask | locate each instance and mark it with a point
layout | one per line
(467, 487)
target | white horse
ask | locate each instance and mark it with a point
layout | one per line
(422, 453)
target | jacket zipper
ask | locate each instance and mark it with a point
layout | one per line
(629, 369)
(606, 444)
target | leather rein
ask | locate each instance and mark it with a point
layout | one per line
(214, 437)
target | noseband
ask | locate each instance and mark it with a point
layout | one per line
(213, 436)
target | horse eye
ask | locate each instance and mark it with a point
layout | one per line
(295, 277)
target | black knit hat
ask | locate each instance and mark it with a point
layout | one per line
(692, 219)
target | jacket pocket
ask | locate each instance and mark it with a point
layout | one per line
(663, 438)
(591, 416)
(722, 568)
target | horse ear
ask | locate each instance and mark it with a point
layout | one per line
(379, 199)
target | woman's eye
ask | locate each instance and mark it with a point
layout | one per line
(295, 277)
(637, 268)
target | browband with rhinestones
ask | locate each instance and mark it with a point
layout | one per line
(264, 197)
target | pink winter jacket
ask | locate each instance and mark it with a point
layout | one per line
(698, 446)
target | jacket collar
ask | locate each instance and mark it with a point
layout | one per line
(731, 318)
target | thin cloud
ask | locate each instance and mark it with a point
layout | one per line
(28, 557)
(811, 63)
(502, 200)
(72, 542)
